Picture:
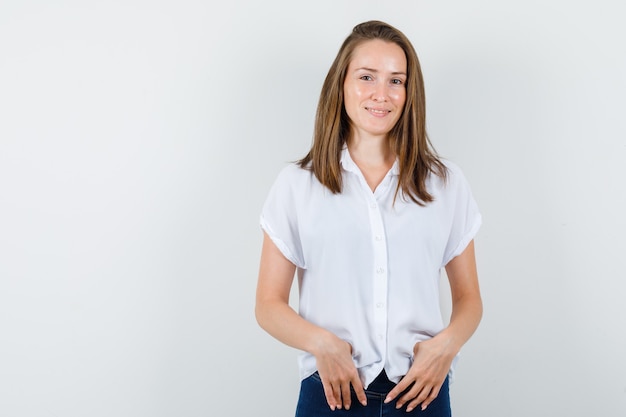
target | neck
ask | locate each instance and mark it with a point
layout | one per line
(371, 151)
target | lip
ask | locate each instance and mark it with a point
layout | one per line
(377, 112)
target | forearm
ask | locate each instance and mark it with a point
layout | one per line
(273, 312)
(286, 325)
(466, 315)
(467, 307)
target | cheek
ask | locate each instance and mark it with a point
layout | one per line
(357, 93)
(348, 94)
(399, 97)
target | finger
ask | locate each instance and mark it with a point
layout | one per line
(399, 388)
(409, 395)
(345, 395)
(424, 393)
(330, 396)
(337, 394)
(359, 390)
(432, 397)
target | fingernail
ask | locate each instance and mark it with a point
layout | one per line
(387, 400)
(364, 403)
(423, 407)
(409, 409)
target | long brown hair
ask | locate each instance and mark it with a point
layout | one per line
(416, 155)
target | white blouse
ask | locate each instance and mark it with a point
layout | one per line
(368, 270)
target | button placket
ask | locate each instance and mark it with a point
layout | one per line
(380, 273)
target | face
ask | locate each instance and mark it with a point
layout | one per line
(374, 89)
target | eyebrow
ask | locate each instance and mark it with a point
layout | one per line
(374, 70)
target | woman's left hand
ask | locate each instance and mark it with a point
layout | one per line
(432, 358)
(431, 364)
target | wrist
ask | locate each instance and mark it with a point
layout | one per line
(319, 342)
(453, 343)
(445, 342)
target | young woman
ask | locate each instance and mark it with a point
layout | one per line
(367, 220)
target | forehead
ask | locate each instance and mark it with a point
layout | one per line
(378, 54)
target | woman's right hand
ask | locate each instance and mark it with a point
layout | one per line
(275, 315)
(338, 373)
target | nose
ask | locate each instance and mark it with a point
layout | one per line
(380, 93)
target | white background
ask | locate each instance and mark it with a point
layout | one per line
(138, 140)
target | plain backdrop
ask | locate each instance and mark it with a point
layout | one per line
(138, 140)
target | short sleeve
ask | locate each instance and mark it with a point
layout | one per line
(466, 218)
(279, 216)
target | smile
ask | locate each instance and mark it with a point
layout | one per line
(378, 112)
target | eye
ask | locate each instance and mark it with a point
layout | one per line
(397, 81)
(366, 77)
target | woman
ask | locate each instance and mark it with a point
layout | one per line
(367, 220)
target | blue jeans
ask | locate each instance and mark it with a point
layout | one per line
(312, 401)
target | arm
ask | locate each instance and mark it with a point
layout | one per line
(433, 357)
(274, 315)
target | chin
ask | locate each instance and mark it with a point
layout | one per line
(379, 132)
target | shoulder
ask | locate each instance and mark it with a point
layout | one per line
(454, 182)
(453, 169)
(455, 173)
(292, 176)
(292, 172)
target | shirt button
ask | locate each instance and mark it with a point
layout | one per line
(380, 337)
(380, 270)
(378, 238)
(373, 205)
(380, 305)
